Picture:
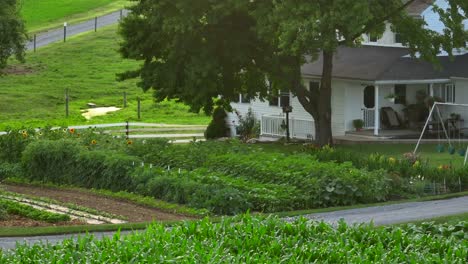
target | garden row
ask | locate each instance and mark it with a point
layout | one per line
(9, 207)
(223, 177)
(246, 239)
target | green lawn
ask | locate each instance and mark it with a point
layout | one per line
(87, 65)
(40, 15)
(426, 151)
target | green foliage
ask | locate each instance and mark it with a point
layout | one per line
(13, 34)
(247, 239)
(217, 127)
(8, 170)
(218, 57)
(66, 162)
(13, 144)
(3, 212)
(249, 126)
(358, 123)
(27, 211)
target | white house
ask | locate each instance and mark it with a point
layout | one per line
(363, 80)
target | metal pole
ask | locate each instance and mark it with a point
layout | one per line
(443, 126)
(127, 130)
(424, 129)
(66, 102)
(139, 108)
(287, 127)
(35, 37)
(95, 24)
(124, 99)
(65, 32)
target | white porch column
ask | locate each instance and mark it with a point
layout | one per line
(431, 90)
(377, 112)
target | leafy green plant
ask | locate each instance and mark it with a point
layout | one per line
(358, 124)
(247, 239)
(13, 144)
(249, 126)
(3, 212)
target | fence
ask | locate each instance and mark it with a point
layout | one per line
(298, 128)
(144, 130)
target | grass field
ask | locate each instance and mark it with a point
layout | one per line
(87, 65)
(45, 14)
(426, 151)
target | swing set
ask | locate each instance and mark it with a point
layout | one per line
(453, 127)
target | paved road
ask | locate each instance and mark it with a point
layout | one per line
(56, 35)
(396, 213)
(8, 243)
(380, 215)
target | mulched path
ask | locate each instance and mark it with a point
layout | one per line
(19, 221)
(133, 212)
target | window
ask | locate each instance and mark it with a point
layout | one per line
(400, 93)
(445, 92)
(285, 99)
(245, 99)
(369, 97)
(274, 99)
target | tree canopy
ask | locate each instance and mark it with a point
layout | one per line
(197, 51)
(12, 32)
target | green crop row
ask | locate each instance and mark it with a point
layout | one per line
(12, 207)
(224, 184)
(253, 240)
(218, 193)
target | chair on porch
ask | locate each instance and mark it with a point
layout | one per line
(390, 118)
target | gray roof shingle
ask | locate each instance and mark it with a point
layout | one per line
(419, 6)
(374, 63)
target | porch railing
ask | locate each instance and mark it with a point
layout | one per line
(368, 115)
(298, 128)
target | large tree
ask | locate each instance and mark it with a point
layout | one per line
(195, 51)
(12, 32)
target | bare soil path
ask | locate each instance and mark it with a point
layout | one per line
(131, 211)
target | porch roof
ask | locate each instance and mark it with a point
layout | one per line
(416, 69)
(377, 63)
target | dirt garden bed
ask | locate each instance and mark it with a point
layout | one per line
(132, 212)
(19, 221)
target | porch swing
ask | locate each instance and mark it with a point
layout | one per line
(447, 131)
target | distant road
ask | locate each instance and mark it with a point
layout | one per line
(56, 35)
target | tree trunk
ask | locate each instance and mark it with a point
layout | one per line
(317, 102)
(323, 130)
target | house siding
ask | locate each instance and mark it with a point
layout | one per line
(260, 108)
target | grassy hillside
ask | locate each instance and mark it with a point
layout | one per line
(33, 94)
(45, 14)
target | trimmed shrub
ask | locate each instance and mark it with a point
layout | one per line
(217, 127)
